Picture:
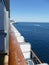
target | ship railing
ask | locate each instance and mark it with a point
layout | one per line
(35, 58)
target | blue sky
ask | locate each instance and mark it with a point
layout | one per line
(29, 10)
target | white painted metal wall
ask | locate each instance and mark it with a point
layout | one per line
(4, 29)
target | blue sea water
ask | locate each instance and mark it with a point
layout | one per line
(38, 36)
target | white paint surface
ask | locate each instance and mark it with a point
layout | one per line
(26, 55)
(26, 47)
(20, 39)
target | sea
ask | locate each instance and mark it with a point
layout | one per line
(38, 36)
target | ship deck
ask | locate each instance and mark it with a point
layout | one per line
(15, 54)
(16, 57)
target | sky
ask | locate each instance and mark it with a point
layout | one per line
(29, 10)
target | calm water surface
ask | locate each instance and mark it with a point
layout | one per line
(38, 36)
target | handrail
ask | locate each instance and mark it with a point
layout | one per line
(15, 55)
(36, 57)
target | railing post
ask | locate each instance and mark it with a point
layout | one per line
(36, 57)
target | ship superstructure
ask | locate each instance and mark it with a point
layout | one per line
(14, 50)
(4, 26)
